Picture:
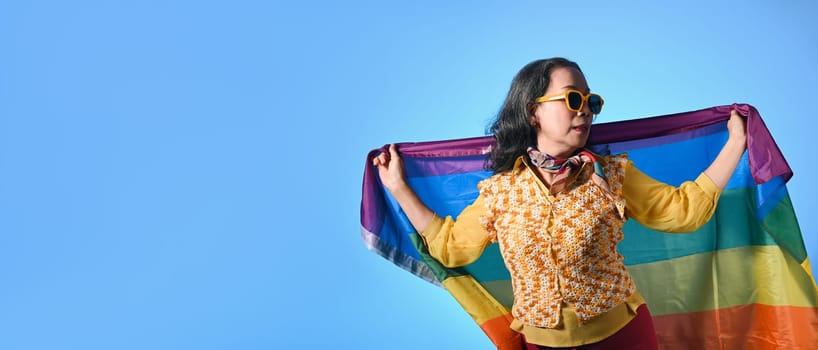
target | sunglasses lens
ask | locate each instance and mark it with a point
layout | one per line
(574, 100)
(595, 104)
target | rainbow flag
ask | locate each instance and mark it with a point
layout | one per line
(742, 281)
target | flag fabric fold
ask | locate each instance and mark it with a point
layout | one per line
(743, 280)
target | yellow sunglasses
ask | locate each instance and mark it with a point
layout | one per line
(575, 100)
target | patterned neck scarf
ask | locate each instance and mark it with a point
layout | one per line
(562, 168)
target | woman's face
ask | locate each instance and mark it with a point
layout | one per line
(561, 131)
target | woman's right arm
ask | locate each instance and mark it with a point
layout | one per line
(452, 242)
(390, 169)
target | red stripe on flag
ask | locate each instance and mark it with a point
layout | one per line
(753, 326)
(497, 329)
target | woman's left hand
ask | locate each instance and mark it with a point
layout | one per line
(737, 129)
(725, 163)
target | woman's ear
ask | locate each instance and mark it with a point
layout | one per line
(531, 108)
(532, 116)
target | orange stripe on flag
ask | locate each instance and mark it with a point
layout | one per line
(752, 326)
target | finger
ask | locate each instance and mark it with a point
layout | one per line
(379, 160)
(393, 151)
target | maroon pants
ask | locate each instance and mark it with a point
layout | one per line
(638, 334)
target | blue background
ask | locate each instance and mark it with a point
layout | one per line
(187, 174)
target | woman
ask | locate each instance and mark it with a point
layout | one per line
(557, 211)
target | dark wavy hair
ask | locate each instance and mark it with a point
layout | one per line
(512, 128)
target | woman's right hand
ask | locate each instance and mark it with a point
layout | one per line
(390, 169)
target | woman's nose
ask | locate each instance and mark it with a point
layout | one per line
(586, 109)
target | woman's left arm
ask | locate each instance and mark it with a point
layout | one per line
(687, 207)
(725, 163)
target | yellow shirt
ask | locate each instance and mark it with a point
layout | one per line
(652, 203)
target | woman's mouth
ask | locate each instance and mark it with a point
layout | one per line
(581, 128)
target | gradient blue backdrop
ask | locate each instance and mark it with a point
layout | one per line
(187, 174)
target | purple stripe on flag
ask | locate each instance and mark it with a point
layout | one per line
(663, 140)
(766, 160)
(373, 205)
(447, 148)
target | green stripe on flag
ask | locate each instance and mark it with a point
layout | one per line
(782, 225)
(735, 220)
(724, 278)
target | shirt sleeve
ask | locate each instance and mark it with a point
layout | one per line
(666, 208)
(457, 242)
